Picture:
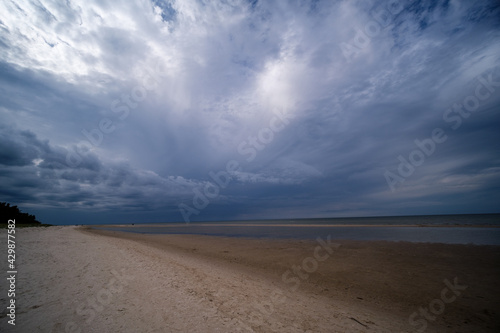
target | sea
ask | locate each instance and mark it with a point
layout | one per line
(479, 229)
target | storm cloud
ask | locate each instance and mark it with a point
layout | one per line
(159, 111)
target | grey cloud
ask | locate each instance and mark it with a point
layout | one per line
(227, 68)
(36, 172)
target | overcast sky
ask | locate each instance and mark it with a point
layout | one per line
(176, 110)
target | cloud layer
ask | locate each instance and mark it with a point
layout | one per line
(125, 111)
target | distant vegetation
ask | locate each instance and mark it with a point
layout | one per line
(8, 212)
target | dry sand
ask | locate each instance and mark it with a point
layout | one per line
(74, 280)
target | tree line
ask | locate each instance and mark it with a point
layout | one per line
(8, 212)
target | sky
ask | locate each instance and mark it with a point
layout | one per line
(190, 110)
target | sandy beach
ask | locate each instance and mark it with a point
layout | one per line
(71, 279)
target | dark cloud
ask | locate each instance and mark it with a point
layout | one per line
(121, 113)
(36, 173)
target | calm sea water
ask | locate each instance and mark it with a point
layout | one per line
(451, 229)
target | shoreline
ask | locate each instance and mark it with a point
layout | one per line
(75, 278)
(165, 225)
(357, 274)
(405, 233)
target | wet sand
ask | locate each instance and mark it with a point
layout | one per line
(77, 280)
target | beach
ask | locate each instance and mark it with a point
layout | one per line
(74, 279)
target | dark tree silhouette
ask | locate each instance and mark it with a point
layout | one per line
(8, 212)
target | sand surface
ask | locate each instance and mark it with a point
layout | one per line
(73, 280)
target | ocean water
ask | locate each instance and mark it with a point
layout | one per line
(451, 229)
